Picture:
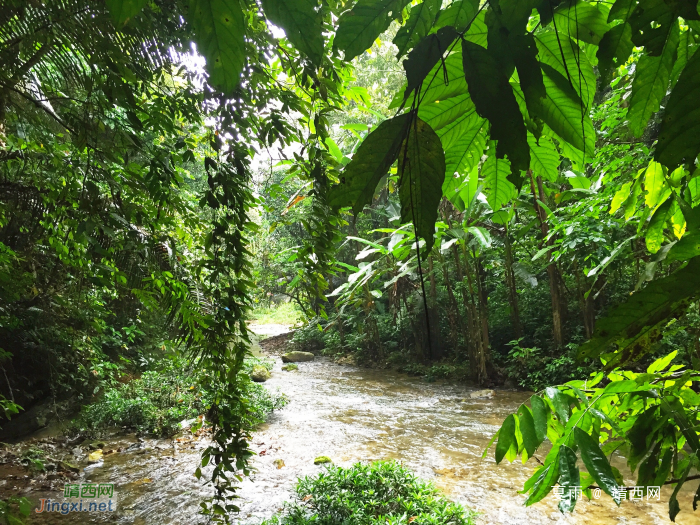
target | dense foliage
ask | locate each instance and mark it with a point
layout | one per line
(368, 494)
(524, 166)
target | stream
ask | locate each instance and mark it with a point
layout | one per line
(349, 414)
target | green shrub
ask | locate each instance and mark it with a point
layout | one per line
(160, 399)
(369, 494)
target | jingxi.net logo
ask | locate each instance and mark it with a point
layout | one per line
(83, 497)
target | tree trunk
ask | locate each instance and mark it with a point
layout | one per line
(512, 290)
(453, 310)
(552, 270)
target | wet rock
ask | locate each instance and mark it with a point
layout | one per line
(95, 456)
(296, 357)
(480, 393)
(320, 460)
(95, 445)
(260, 374)
(290, 367)
(279, 463)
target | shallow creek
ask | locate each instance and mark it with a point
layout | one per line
(350, 414)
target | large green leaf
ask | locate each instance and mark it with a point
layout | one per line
(124, 10)
(548, 477)
(370, 163)
(564, 113)
(459, 14)
(470, 187)
(539, 414)
(560, 402)
(569, 480)
(570, 61)
(651, 23)
(650, 83)
(219, 28)
(442, 113)
(302, 21)
(527, 430)
(584, 21)
(634, 326)
(622, 10)
(359, 27)
(421, 175)
(495, 101)
(438, 89)
(524, 53)
(506, 438)
(597, 464)
(615, 48)
(655, 231)
(425, 56)
(679, 135)
(655, 185)
(419, 22)
(465, 153)
(544, 158)
(498, 189)
(686, 49)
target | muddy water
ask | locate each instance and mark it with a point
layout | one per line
(349, 414)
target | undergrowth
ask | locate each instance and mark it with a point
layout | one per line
(383, 493)
(160, 399)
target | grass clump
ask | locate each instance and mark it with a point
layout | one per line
(383, 493)
(160, 399)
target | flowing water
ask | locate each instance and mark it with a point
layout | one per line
(349, 414)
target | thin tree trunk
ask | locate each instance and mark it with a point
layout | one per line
(552, 271)
(512, 290)
(453, 310)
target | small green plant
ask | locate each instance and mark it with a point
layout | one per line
(14, 510)
(369, 494)
(33, 458)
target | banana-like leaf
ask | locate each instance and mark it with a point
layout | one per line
(679, 136)
(359, 27)
(419, 23)
(650, 83)
(421, 175)
(302, 22)
(370, 163)
(219, 28)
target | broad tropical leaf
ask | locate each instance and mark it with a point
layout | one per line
(370, 163)
(583, 21)
(495, 101)
(679, 136)
(419, 23)
(124, 10)
(459, 14)
(686, 49)
(566, 60)
(359, 27)
(527, 429)
(498, 189)
(564, 112)
(219, 28)
(425, 56)
(438, 89)
(506, 439)
(302, 22)
(655, 231)
(650, 83)
(442, 113)
(655, 185)
(464, 154)
(569, 480)
(544, 158)
(421, 175)
(615, 48)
